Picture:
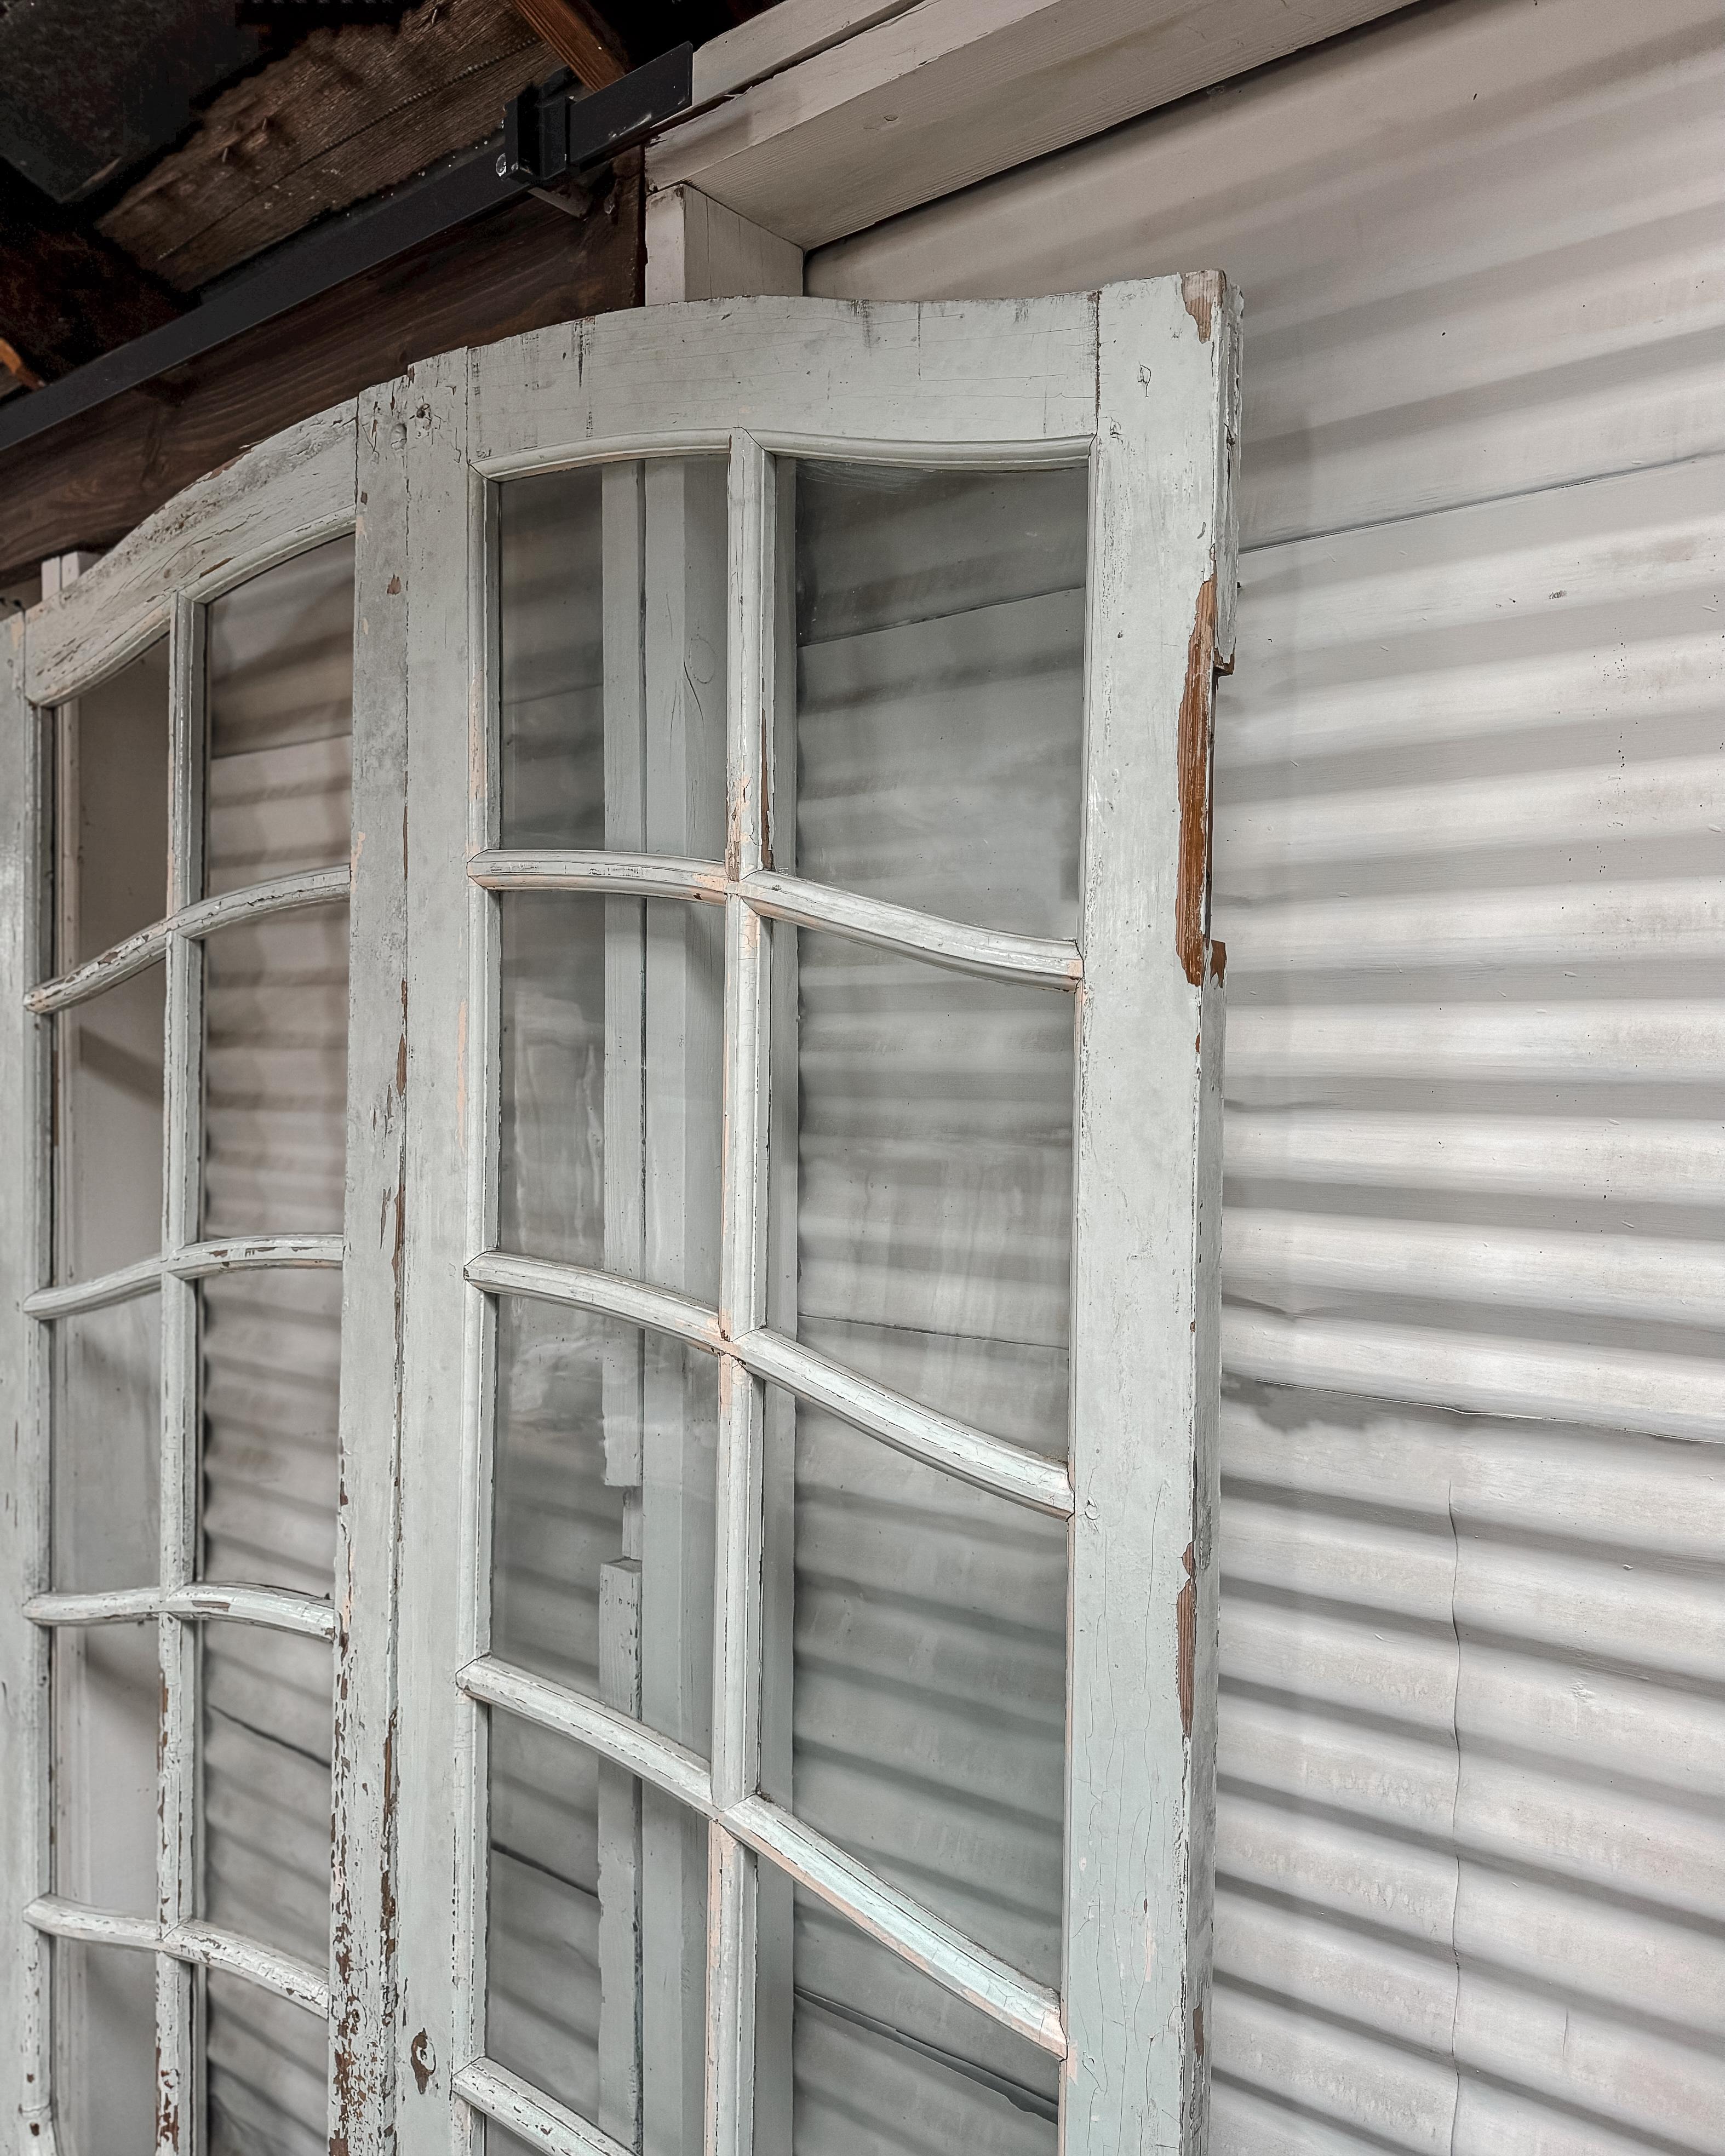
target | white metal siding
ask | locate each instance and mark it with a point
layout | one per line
(1471, 1840)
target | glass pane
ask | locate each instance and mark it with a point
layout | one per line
(114, 778)
(107, 1422)
(280, 658)
(267, 2064)
(605, 1446)
(932, 1185)
(940, 688)
(612, 1045)
(272, 1352)
(105, 2046)
(597, 1941)
(931, 2075)
(612, 644)
(110, 1128)
(276, 1075)
(106, 1687)
(543, 1998)
(267, 1709)
(928, 1713)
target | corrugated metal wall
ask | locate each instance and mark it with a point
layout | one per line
(1469, 850)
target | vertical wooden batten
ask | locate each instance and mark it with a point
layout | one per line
(421, 424)
(365, 1766)
(24, 1251)
(1142, 1759)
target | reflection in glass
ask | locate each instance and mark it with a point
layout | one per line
(933, 1184)
(929, 1693)
(280, 660)
(109, 1129)
(605, 1444)
(106, 1463)
(105, 2047)
(942, 2078)
(267, 1711)
(113, 784)
(940, 688)
(542, 2007)
(267, 2070)
(613, 657)
(106, 1685)
(613, 1036)
(272, 1351)
(276, 1075)
(551, 556)
(596, 1945)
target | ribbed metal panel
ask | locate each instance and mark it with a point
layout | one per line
(1471, 1837)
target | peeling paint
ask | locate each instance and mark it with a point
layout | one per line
(1200, 292)
(1193, 758)
(1186, 1639)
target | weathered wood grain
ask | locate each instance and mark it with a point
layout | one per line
(353, 109)
(580, 36)
(364, 1771)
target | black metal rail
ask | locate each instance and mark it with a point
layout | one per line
(546, 134)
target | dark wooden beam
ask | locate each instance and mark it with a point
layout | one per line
(66, 292)
(580, 36)
(350, 111)
(88, 482)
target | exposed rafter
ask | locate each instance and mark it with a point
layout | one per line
(580, 36)
(350, 111)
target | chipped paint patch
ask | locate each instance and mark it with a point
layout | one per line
(1186, 1639)
(1193, 760)
(1201, 295)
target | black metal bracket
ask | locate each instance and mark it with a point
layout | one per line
(546, 134)
(535, 135)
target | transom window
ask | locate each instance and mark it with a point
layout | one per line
(617, 1271)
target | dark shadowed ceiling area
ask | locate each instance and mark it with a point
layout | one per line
(148, 147)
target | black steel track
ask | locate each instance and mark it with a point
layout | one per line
(597, 125)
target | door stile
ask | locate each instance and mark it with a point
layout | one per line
(686, 623)
(1141, 1762)
(420, 428)
(26, 1227)
(178, 2108)
(362, 1973)
(775, 1902)
(738, 1522)
(624, 603)
(478, 1043)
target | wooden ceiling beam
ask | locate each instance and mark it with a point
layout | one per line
(66, 294)
(581, 38)
(352, 109)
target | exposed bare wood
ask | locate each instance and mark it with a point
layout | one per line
(67, 294)
(349, 111)
(89, 482)
(19, 368)
(580, 36)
